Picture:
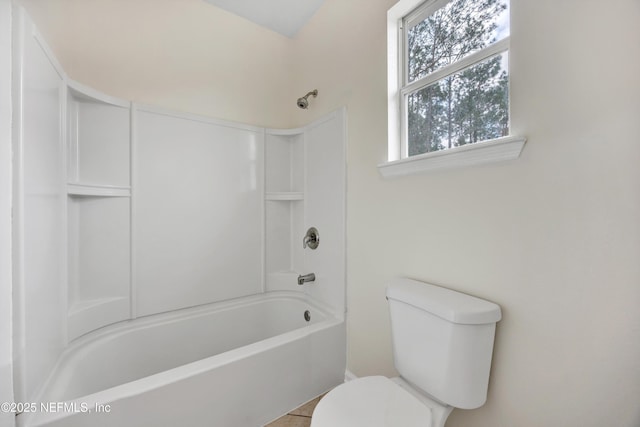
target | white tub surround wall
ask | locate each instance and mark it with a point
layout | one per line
(161, 206)
(284, 207)
(198, 219)
(305, 187)
(325, 208)
(126, 210)
(39, 199)
(6, 374)
(98, 209)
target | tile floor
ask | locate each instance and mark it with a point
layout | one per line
(300, 417)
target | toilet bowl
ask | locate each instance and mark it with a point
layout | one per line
(442, 345)
(378, 401)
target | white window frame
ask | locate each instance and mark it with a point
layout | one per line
(399, 163)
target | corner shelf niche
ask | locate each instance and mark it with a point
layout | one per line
(284, 196)
(79, 190)
(99, 138)
(98, 210)
(284, 210)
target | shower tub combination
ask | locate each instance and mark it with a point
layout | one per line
(242, 362)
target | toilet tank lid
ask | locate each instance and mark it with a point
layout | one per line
(450, 305)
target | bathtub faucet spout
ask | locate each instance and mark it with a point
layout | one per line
(306, 278)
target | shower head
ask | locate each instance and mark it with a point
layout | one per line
(304, 102)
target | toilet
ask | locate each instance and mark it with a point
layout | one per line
(442, 348)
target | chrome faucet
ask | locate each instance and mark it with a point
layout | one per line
(306, 278)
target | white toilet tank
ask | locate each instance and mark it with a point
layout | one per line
(442, 341)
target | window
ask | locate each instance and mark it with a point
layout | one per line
(448, 77)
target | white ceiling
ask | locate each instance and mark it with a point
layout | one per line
(283, 16)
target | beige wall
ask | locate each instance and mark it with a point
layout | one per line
(553, 237)
(181, 54)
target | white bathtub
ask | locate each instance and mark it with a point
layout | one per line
(238, 363)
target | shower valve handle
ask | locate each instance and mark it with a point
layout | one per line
(311, 239)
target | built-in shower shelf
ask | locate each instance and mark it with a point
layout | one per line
(285, 195)
(83, 190)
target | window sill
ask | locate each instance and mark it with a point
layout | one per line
(495, 150)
